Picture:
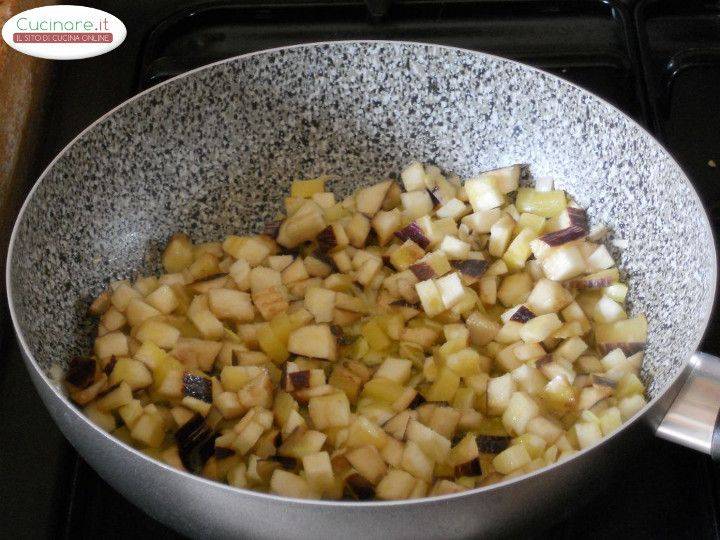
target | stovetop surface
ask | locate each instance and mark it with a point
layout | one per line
(657, 61)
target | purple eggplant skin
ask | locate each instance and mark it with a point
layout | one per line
(289, 463)
(599, 380)
(340, 336)
(563, 236)
(434, 192)
(81, 372)
(222, 453)
(628, 348)
(323, 257)
(473, 268)
(196, 443)
(272, 228)
(197, 386)
(492, 444)
(336, 330)
(417, 401)
(471, 468)
(107, 390)
(110, 366)
(522, 314)
(358, 488)
(404, 304)
(544, 360)
(413, 232)
(584, 283)
(300, 379)
(422, 271)
(326, 238)
(578, 218)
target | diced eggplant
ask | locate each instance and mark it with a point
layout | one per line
(592, 395)
(108, 369)
(563, 236)
(563, 262)
(404, 304)
(435, 196)
(599, 380)
(492, 444)
(101, 304)
(336, 330)
(415, 233)
(370, 199)
(430, 297)
(397, 425)
(598, 280)
(325, 374)
(272, 228)
(575, 217)
(197, 387)
(331, 237)
(507, 178)
(319, 257)
(628, 335)
(316, 341)
(413, 176)
(473, 268)
(302, 226)
(422, 271)
(543, 361)
(222, 452)
(300, 379)
(358, 488)
(107, 391)
(285, 462)
(417, 401)
(81, 372)
(196, 443)
(385, 224)
(416, 204)
(522, 314)
(471, 468)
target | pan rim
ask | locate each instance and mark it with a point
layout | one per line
(30, 361)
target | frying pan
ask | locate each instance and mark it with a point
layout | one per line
(212, 152)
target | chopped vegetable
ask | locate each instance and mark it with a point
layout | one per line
(478, 332)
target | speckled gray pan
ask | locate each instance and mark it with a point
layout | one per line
(214, 152)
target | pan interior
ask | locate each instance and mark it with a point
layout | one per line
(213, 153)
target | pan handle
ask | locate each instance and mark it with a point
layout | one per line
(693, 418)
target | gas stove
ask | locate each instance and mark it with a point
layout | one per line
(657, 61)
